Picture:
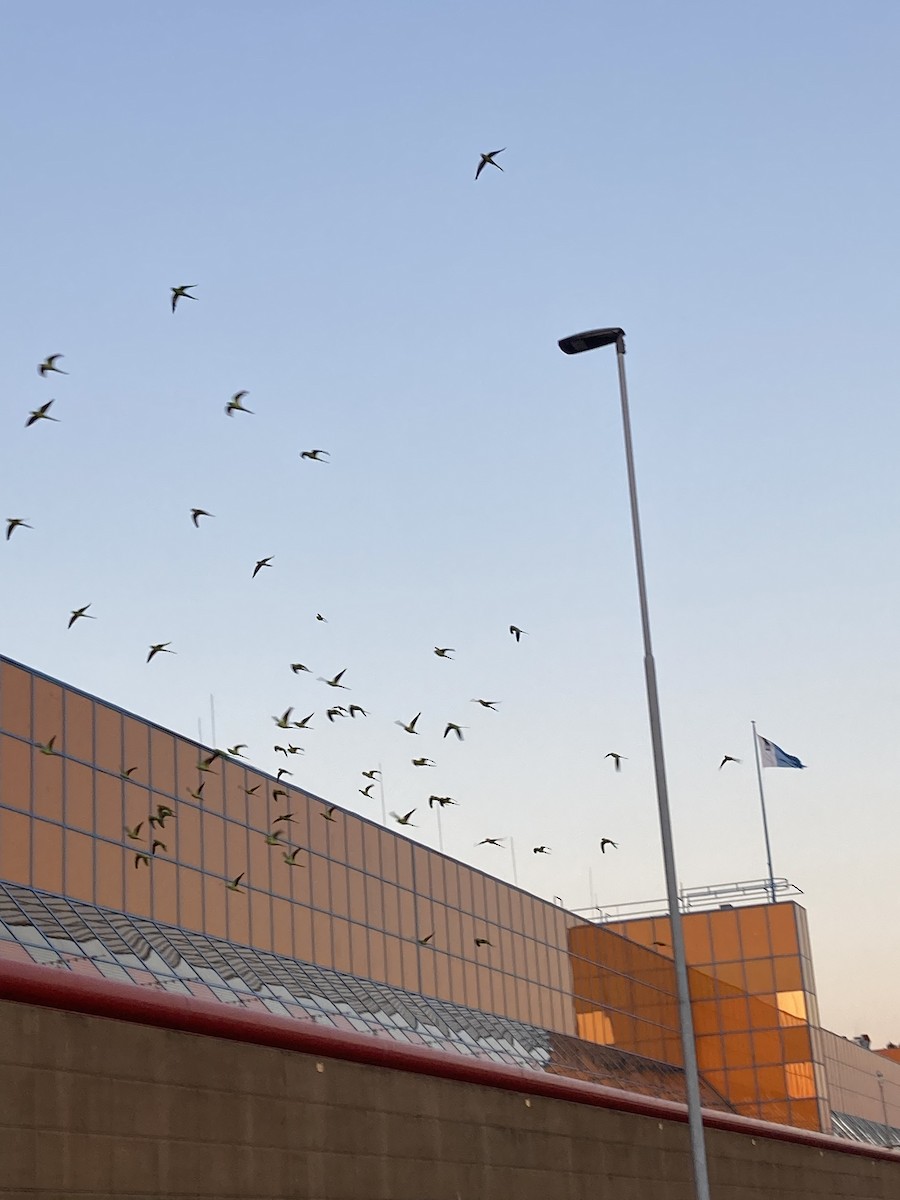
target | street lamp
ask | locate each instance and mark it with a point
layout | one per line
(593, 339)
(888, 1132)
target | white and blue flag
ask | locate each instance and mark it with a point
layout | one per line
(771, 755)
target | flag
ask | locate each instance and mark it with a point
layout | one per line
(771, 755)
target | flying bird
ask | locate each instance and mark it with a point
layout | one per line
(291, 749)
(328, 814)
(158, 845)
(263, 562)
(618, 759)
(411, 727)
(234, 885)
(314, 455)
(491, 842)
(357, 708)
(291, 858)
(479, 942)
(284, 721)
(727, 759)
(78, 613)
(279, 792)
(604, 842)
(14, 523)
(289, 817)
(197, 513)
(541, 850)
(517, 632)
(274, 838)
(281, 750)
(298, 667)
(49, 364)
(423, 941)
(197, 794)
(454, 728)
(252, 791)
(336, 681)
(141, 858)
(159, 648)
(47, 748)
(163, 814)
(235, 751)
(442, 801)
(491, 704)
(181, 293)
(366, 791)
(423, 762)
(444, 651)
(405, 820)
(488, 160)
(282, 771)
(135, 834)
(41, 414)
(234, 404)
(304, 724)
(371, 774)
(319, 617)
(127, 772)
(337, 711)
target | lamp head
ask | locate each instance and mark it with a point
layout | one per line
(591, 339)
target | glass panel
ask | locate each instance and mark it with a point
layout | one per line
(451, 883)
(79, 726)
(359, 950)
(15, 847)
(754, 930)
(374, 905)
(319, 884)
(766, 1048)
(303, 933)
(79, 796)
(79, 866)
(377, 956)
(697, 943)
(236, 800)
(136, 752)
(340, 902)
(391, 902)
(48, 776)
(726, 943)
(190, 897)
(783, 928)
(372, 848)
(354, 846)
(15, 700)
(162, 750)
(108, 739)
(787, 975)
(138, 881)
(188, 821)
(15, 773)
(760, 976)
(791, 1004)
(394, 963)
(253, 923)
(407, 915)
(356, 881)
(282, 940)
(215, 898)
(404, 863)
(48, 713)
(322, 952)
(109, 884)
(165, 891)
(213, 846)
(410, 966)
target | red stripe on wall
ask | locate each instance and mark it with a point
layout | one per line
(46, 987)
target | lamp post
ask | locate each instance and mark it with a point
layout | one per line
(888, 1135)
(593, 339)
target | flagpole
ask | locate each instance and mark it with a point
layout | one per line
(762, 802)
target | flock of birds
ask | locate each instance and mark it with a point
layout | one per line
(278, 836)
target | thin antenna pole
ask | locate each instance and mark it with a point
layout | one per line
(591, 887)
(199, 731)
(762, 804)
(512, 851)
(381, 788)
(212, 718)
(440, 829)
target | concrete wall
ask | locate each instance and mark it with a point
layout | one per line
(94, 1107)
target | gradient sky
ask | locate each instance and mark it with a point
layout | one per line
(720, 180)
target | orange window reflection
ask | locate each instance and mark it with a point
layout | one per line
(15, 763)
(15, 700)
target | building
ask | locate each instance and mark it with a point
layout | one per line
(363, 929)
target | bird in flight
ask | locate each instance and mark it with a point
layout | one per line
(298, 667)
(127, 772)
(441, 801)
(47, 748)
(405, 820)
(604, 842)
(479, 942)
(411, 727)
(14, 523)
(205, 764)
(366, 791)
(319, 617)
(235, 751)
(78, 613)
(328, 814)
(727, 759)
(491, 704)
(314, 455)
(304, 724)
(617, 759)
(371, 774)
(282, 771)
(141, 858)
(423, 941)
(541, 850)
(291, 858)
(281, 750)
(158, 845)
(263, 562)
(279, 792)
(284, 721)
(423, 762)
(41, 414)
(135, 834)
(163, 813)
(274, 838)
(197, 794)
(444, 651)
(357, 708)
(49, 364)
(488, 160)
(197, 513)
(517, 632)
(252, 791)
(490, 842)
(234, 885)
(159, 648)
(337, 711)
(660, 944)
(182, 293)
(235, 404)
(291, 749)
(336, 681)
(454, 728)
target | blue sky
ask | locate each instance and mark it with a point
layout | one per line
(720, 182)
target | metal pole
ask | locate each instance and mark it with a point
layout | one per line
(212, 719)
(888, 1136)
(689, 1051)
(381, 789)
(762, 802)
(512, 850)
